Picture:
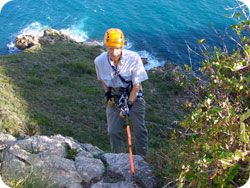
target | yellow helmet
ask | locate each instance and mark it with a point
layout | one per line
(114, 38)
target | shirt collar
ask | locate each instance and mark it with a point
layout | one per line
(120, 62)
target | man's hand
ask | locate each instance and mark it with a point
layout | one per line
(110, 98)
(108, 95)
(126, 110)
(130, 104)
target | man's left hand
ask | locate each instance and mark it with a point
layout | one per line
(130, 104)
(124, 112)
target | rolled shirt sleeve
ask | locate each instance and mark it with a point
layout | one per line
(97, 69)
(138, 73)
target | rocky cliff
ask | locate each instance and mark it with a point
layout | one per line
(65, 162)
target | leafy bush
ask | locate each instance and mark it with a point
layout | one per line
(218, 149)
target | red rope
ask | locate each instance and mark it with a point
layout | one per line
(132, 167)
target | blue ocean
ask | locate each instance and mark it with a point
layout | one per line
(160, 30)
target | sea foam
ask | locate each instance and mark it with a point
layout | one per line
(152, 60)
(36, 29)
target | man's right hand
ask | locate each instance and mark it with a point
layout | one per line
(110, 98)
(109, 95)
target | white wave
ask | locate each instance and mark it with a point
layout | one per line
(75, 34)
(2, 3)
(12, 48)
(37, 29)
(152, 61)
(34, 28)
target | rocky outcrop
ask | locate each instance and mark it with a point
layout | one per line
(67, 163)
(93, 43)
(119, 164)
(27, 41)
(144, 60)
(51, 36)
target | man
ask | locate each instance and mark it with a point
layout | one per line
(120, 71)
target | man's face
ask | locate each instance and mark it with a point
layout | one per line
(115, 53)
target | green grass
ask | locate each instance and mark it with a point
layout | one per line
(161, 93)
(54, 90)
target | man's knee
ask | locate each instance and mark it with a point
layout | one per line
(113, 131)
(113, 134)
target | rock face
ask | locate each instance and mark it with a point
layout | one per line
(67, 163)
(27, 41)
(50, 36)
(144, 60)
(119, 164)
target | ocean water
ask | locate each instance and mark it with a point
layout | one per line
(159, 30)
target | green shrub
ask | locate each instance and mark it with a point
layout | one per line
(219, 149)
(71, 153)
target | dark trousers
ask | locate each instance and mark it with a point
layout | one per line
(116, 126)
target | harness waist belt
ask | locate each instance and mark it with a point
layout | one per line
(120, 90)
